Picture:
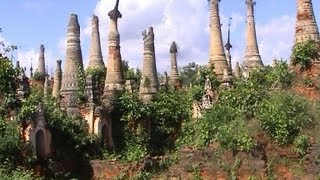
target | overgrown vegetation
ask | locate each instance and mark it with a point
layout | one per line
(305, 53)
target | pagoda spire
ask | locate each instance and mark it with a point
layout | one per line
(95, 57)
(228, 46)
(73, 65)
(217, 56)
(114, 79)
(174, 75)
(252, 57)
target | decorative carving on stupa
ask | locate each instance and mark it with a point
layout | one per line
(149, 82)
(217, 57)
(73, 66)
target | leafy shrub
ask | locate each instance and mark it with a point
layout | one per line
(304, 54)
(282, 115)
(10, 143)
(280, 76)
(235, 136)
(17, 174)
(167, 111)
(7, 76)
(301, 144)
(244, 97)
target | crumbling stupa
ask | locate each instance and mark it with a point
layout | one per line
(149, 82)
(306, 25)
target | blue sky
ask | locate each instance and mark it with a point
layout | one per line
(29, 23)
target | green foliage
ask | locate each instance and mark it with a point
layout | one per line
(282, 115)
(204, 73)
(30, 105)
(305, 53)
(280, 76)
(136, 145)
(81, 83)
(80, 144)
(98, 76)
(10, 143)
(167, 111)
(301, 144)
(196, 92)
(188, 74)
(38, 76)
(244, 97)
(221, 124)
(131, 107)
(17, 174)
(7, 76)
(236, 136)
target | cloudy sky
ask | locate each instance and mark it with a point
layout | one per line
(29, 23)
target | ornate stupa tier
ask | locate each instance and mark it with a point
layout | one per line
(306, 25)
(252, 57)
(217, 56)
(73, 66)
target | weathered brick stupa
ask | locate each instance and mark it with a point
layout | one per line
(252, 59)
(95, 57)
(306, 25)
(57, 80)
(149, 82)
(217, 56)
(114, 79)
(73, 64)
(174, 75)
(41, 69)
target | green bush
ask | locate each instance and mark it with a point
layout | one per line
(301, 144)
(282, 115)
(17, 174)
(305, 53)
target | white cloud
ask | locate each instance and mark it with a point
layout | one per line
(276, 38)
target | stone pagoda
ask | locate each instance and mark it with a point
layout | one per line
(41, 69)
(252, 59)
(149, 82)
(174, 75)
(95, 57)
(73, 64)
(217, 56)
(114, 80)
(57, 80)
(306, 25)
